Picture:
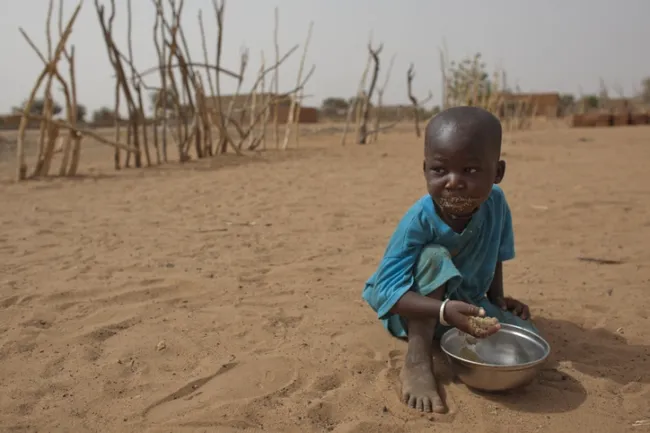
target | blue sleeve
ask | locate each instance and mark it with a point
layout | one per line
(507, 246)
(394, 276)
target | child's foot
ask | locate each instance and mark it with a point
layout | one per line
(419, 390)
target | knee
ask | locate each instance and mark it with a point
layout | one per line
(433, 270)
(432, 256)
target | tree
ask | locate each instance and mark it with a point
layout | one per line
(104, 115)
(361, 100)
(82, 111)
(334, 106)
(468, 81)
(567, 102)
(37, 107)
(591, 101)
(645, 90)
(156, 100)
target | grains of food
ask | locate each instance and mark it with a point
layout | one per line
(480, 325)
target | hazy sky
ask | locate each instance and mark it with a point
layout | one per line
(549, 45)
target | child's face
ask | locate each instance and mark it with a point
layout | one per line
(460, 174)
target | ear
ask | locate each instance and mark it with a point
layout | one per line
(501, 171)
(424, 167)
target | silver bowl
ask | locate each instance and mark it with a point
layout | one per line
(508, 359)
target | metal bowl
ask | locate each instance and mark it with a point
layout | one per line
(508, 359)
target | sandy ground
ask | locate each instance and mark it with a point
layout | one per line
(227, 297)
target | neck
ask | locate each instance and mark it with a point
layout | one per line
(457, 223)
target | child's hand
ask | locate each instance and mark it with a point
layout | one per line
(514, 306)
(457, 314)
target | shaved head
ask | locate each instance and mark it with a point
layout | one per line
(464, 127)
(462, 151)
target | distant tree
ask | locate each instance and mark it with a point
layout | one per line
(104, 115)
(591, 101)
(468, 79)
(37, 107)
(567, 102)
(334, 106)
(645, 90)
(353, 100)
(156, 100)
(82, 112)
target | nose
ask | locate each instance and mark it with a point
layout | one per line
(455, 182)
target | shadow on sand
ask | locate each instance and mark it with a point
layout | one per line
(594, 352)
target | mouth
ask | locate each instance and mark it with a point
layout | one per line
(458, 207)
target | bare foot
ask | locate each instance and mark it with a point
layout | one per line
(419, 390)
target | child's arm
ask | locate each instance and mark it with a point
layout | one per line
(394, 275)
(506, 303)
(495, 292)
(506, 252)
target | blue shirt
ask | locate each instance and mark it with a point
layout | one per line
(487, 240)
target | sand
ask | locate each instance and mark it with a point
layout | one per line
(226, 297)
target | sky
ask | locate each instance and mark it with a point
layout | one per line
(546, 46)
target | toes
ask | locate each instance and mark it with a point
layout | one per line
(429, 404)
(437, 406)
(412, 402)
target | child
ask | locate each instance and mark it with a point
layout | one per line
(443, 262)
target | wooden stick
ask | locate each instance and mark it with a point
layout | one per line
(138, 112)
(81, 131)
(161, 95)
(380, 99)
(352, 106)
(363, 128)
(76, 148)
(21, 169)
(276, 77)
(116, 61)
(265, 104)
(291, 120)
(204, 46)
(410, 74)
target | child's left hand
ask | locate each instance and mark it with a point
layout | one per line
(514, 306)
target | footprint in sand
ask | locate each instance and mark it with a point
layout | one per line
(367, 427)
(231, 383)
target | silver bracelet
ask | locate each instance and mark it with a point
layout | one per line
(442, 320)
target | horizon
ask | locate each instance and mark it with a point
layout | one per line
(589, 42)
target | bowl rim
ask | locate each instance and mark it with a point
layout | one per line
(516, 367)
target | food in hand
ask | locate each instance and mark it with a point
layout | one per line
(480, 325)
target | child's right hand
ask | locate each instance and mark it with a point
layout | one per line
(457, 314)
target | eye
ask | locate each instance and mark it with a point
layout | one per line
(471, 170)
(438, 170)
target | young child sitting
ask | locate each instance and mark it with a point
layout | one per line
(443, 262)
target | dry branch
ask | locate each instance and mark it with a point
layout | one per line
(410, 74)
(139, 116)
(79, 131)
(207, 115)
(380, 99)
(161, 96)
(48, 70)
(363, 128)
(352, 106)
(291, 120)
(276, 77)
(116, 62)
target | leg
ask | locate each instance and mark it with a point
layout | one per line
(419, 389)
(433, 272)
